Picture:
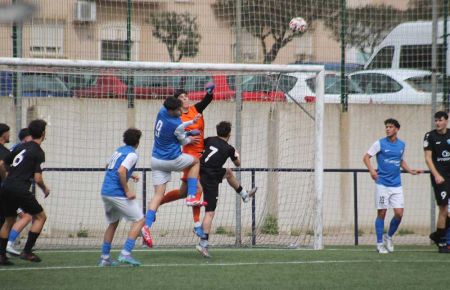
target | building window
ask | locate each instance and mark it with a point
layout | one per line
(114, 50)
(47, 39)
(113, 42)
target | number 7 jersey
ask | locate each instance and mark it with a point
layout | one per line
(216, 153)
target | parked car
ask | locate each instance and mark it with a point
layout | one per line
(392, 86)
(301, 87)
(35, 85)
(104, 86)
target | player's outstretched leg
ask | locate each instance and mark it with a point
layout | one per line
(234, 183)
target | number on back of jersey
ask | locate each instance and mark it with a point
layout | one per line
(18, 158)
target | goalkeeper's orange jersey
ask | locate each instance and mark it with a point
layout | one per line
(195, 150)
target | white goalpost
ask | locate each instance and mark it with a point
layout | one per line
(280, 142)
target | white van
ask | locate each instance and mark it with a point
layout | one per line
(409, 46)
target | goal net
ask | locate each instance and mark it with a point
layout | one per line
(89, 104)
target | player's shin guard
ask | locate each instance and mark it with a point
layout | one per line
(32, 237)
(393, 226)
(379, 228)
(3, 244)
(150, 217)
(192, 186)
(128, 247)
(106, 249)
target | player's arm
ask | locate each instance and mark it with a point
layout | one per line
(126, 165)
(122, 171)
(234, 156)
(201, 106)
(406, 168)
(3, 170)
(39, 180)
(182, 135)
(429, 161)
(373, 150)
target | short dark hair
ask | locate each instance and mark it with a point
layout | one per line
(24, 132)
(37, 128)
(179, 92)
(172, 103)
(392, 122)
(441, 114)
(3, 128)
(223, 129)
(132, 136)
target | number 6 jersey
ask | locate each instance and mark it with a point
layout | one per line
(24, 161)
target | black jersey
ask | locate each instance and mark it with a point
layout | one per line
(23, 161)
(439, 145)
(3, 153)
(216, 153)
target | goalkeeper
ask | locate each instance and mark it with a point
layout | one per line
(188, 112)
(217, 151)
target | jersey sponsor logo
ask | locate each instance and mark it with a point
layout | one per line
(445, 156)
(387, 150)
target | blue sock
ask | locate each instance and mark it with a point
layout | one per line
(192, 186)
(393, 226)
(13, 234)
(129, 245)
(379, 228)
(447, 235)
(150, 217)
(106, 249)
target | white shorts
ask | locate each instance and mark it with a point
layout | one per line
(389, 197)
(118, 207)
(162, 169)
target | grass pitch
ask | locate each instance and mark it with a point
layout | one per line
(333, 268)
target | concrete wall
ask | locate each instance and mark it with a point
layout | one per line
(83, 133)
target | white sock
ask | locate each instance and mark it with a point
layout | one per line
(197, 224)
(104, 257)
(204, 243)
(125, 253)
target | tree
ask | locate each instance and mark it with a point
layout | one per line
(366, 26)
(268, 20)
(178, 31)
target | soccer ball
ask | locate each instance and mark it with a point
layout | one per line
(298, 24)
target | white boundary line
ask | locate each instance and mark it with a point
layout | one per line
(10, 269)
(233, 250)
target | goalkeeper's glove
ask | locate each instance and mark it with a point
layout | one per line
(194, 132)
(210, 87)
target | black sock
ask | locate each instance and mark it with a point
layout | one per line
(205, 238)
(239, 189)
(32, 237)
(3, 244)
(440, 234)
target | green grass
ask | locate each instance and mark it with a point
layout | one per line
(338, 268)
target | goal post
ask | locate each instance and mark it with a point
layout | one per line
(280, 141)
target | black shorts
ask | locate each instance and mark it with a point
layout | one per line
(12, 199)
(441, 191)
(210, 183)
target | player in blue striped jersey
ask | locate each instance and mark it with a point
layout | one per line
(119, 201)
(169, 136)
(389, 153)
